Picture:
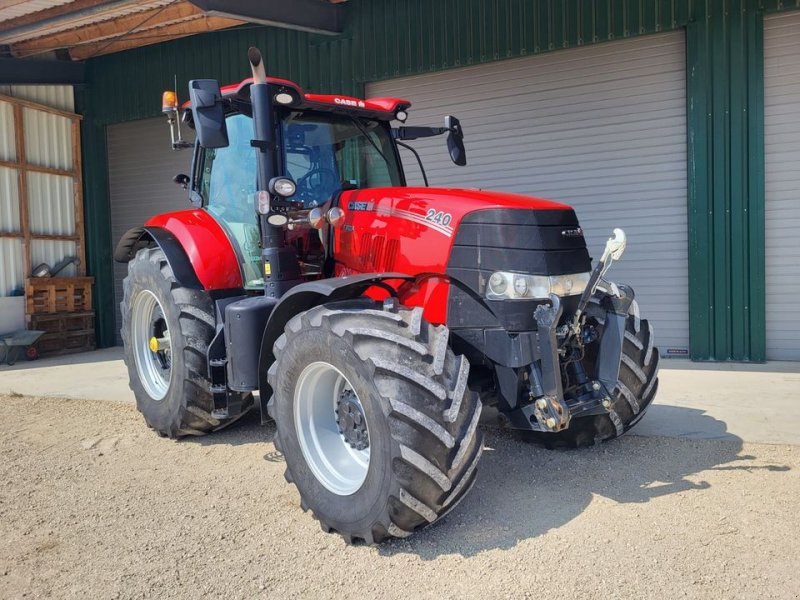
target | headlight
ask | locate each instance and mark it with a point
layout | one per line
(497, 284)
(519, 286)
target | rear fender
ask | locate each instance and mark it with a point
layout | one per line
(142, 237)
(207, 246)
(304, 297)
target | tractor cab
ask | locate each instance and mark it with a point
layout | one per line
(323, 145)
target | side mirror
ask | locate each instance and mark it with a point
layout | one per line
(455, 140)
(208, 112)
(182, 180)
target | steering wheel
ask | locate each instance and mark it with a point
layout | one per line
(318, 185)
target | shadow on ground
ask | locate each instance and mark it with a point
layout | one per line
(247, 430)
(524, 491)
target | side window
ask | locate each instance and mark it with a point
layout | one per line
(229, 174)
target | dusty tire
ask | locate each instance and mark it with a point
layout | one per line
(422, 420)
(633, 395)
(188, 316)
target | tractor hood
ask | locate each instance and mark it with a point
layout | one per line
(441, 210)
(456, 202)
(466, 234)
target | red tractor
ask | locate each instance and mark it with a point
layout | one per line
(373, 319)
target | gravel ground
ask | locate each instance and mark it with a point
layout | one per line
(94, 505)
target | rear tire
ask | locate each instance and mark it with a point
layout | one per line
(420, 418)
(171, 386)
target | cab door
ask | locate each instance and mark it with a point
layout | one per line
(227, 184)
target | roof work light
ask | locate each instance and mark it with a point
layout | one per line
(169, 101)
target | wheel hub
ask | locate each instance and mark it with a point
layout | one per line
(150, 340)
(351, 422)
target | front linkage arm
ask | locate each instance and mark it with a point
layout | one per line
(549, 407)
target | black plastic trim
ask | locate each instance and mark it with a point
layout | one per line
(140, 237)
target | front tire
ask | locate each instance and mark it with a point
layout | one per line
(168, 376)
(406, 445)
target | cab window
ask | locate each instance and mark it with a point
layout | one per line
(227, 184)
(324, 152)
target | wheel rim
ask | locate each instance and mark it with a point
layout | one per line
(151, 344)
(331, 428)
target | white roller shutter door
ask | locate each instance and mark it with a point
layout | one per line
(141, 165)
(782, 210)
(602, 128)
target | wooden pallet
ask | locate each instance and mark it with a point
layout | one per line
(66, 332)
(48, 295)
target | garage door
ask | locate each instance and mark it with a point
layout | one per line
(602, 128)
(782, 212)
(141, 165)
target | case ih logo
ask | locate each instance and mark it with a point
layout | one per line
(577, 232)
(360, 206)
(349, 102)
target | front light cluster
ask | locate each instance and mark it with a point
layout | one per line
(519, 286)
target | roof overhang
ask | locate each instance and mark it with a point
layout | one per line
(81, 29)
(305, 15)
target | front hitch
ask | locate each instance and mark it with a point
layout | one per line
(551, 411)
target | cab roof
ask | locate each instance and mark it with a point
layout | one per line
(376, 108)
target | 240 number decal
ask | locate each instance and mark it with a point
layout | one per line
(438, 217)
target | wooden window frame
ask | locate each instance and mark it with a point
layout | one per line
(23, 167)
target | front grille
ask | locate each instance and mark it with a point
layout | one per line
(539, 242)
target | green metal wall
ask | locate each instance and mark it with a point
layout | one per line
(392, 38)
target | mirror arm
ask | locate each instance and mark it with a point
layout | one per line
(419, 161)
(412, 133)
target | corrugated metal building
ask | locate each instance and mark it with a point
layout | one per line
(674, 118)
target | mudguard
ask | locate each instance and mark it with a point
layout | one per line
(140, 237)
(203, 255)
(303, 297)
(207, 246)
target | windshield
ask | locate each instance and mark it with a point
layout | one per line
(323, 152)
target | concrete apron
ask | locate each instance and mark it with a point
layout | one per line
(754, 403)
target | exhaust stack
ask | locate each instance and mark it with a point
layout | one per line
(280, 267)
(256, 65)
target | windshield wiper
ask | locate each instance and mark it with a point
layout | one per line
(365, 133)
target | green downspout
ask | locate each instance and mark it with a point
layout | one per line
(97, 221)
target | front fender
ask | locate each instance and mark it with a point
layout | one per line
(300, 299)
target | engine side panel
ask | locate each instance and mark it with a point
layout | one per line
(412, 230)
(207, 246)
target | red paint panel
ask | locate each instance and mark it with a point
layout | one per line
(411, 230)
(207, 246)
(389, 105)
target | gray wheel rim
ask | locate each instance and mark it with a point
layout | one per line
(148, 321)
(336, 465)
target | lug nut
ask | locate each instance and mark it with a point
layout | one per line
(606, 403)
(596, 386)
(551, 423)
(541, 404)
